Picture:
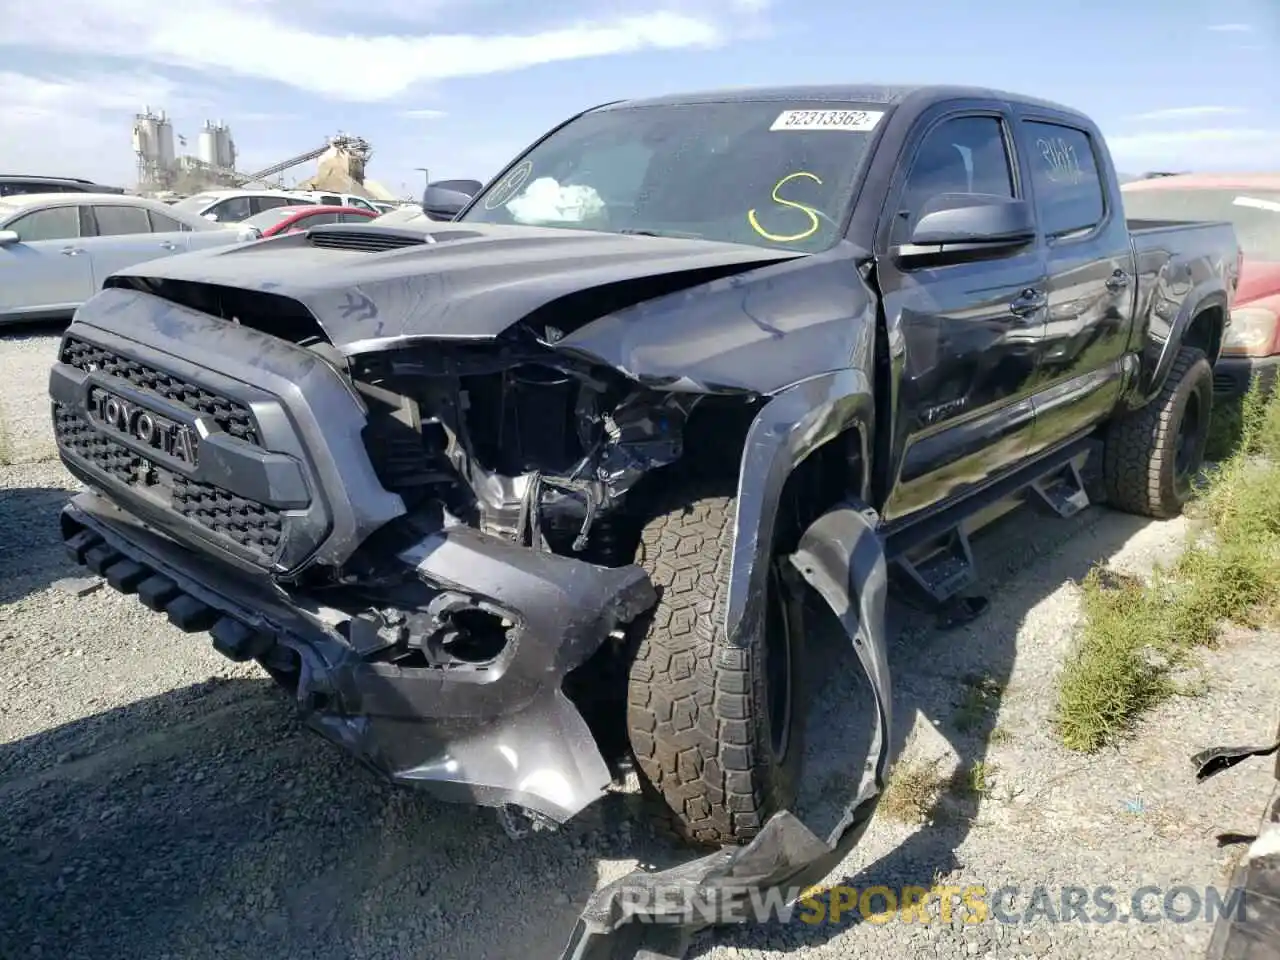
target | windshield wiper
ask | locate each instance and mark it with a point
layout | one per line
(669, 234)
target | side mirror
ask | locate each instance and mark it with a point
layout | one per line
(9, 237)
(211, 217)
(444, 199)
(969, 226)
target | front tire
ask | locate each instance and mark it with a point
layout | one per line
(1152, 455)
(710, 724)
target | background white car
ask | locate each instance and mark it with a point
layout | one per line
(232, 206)
(57, 248)
(329, 199)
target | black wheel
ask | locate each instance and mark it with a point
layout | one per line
(1152, 454)
(712, 727)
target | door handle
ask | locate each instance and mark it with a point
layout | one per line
(72, 251)
(168, 245)
(1028, 302)
(1118, 280)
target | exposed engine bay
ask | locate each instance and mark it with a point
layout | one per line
(513, 445)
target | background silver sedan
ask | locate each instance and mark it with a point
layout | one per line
(57, 248)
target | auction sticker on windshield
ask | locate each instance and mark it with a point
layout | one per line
(854, 120)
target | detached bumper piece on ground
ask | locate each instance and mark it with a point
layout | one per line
(1254, 933)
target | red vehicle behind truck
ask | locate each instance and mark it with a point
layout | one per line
(1251, 202)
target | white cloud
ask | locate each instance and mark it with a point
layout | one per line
(1204, 148)
(1186, 113)
(1232, 28)
(1178, 137)
(209, 35)
(78, 127)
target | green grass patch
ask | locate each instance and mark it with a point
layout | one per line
(979, 700)
(1137, 635)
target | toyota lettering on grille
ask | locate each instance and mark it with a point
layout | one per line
(145, 426)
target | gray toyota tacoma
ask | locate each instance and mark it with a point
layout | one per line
(509, 500)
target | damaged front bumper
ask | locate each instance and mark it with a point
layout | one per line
(496, 735)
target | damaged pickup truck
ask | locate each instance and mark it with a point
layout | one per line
(508, 500)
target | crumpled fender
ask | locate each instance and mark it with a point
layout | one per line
(654, 916)
(793, 424)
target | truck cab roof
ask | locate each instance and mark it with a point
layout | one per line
(919, 96)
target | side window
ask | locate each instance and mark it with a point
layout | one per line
(232, 210)
(331, 201)
(315, 220)
(269, 203)
(1064, 175)
(163, 224)
(352, 218)
(116, 221)
(58, 223)
(358, 203)
(963, 155)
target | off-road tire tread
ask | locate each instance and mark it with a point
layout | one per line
(692, 713)
(1140, 448)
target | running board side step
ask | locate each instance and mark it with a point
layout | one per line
(1062, 492)
(932, 556)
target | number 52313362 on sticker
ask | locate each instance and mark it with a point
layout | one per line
(851, 120)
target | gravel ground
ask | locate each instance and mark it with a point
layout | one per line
(160, 801)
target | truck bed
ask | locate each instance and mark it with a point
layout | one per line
(1147, 227)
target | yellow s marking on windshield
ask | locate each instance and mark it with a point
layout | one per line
(810, 212)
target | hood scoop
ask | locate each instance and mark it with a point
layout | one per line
(371, 239)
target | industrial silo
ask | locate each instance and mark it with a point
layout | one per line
(165, 156)
(224, 146)
(207, 146)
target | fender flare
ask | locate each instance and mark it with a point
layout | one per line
(1206, 295)
(793, 424)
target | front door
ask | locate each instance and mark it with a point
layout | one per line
(963, 360)
(1080, 371)
(47, 271)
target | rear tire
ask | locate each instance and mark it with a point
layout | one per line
(1152, 454)
(711, 725)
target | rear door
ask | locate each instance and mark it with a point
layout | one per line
(168, 230)
(1081, 357)
(964, 360)
(47, 270)
(123, 237)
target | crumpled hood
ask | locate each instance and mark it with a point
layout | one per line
(467, 281)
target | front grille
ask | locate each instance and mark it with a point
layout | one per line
(234, 418)
(371, 242)
(247, 522)
(251, 525)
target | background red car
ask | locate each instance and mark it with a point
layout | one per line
(1251, 202)
(278, 220)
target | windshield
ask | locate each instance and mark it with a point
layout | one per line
(1254, 213)
(770, 174)
(196, 203)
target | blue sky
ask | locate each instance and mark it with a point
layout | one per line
(459, 86)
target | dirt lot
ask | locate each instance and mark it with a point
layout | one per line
(160, 801)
